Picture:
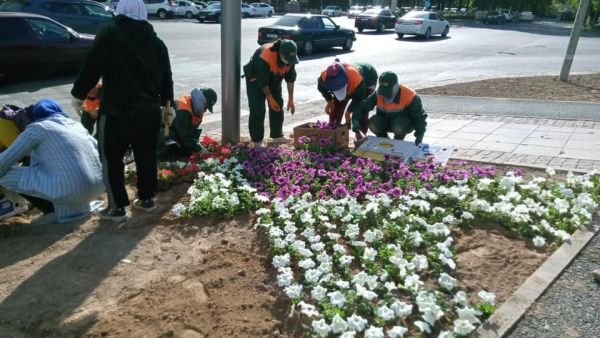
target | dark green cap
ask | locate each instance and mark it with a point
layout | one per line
(211, 98)
(387, 81)
(289, 51)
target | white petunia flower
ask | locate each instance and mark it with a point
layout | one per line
(356, 323)
(308, 309)
(339, 248)
(338, 324)
(562, 235)
(178, 209)
(463, 327)
(370, 254)
(446, 281)
(469, 314)
(342, 284)
(550, 171)
(306, 264)
(488, 297)
(460, 298)
(374, 332)
(402, 309)
(321, 328)
(312, 275)
(346, 260)
(285, 277)
(423, 327)
(397, 332)
(446, 334)
(281, 260)
(361, 291)
(390, 286)
(385, 313)
(539, 241)
(318, 293)
(420, 262)
(337, 298)
(447, 261)
(348, 334)
(413, 282)
(467, 216)
(293, 291)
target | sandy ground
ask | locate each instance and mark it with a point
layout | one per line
(578, 88)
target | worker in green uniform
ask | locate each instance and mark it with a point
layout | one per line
(341, 83)
(268, 67)
(184, 130)
(399, 110)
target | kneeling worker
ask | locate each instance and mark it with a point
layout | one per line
(184, 133)
(399, 110)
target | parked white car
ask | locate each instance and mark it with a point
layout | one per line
(187, 9)
(508, 15)
(526, 16)
(248, 11)
(162, 8)
(332, 11)
(423, 23)
(263, 9)
(356, 10)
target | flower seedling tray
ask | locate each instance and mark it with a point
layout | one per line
(338, 137)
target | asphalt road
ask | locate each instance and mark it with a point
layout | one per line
(472, 51)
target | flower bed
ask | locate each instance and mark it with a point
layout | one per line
(366, 248)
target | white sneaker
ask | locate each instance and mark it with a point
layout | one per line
(45, 219)
(258, 144)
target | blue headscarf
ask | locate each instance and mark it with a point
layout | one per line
(46, 108)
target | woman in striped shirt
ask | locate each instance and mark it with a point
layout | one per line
(65, 169)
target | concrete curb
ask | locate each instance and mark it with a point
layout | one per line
(504, 318)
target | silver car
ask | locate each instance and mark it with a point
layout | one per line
(422, 23)
(332, 11)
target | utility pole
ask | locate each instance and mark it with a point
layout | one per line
(231, 28)
(577, 27)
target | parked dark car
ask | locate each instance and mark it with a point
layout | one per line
(83, 16)
(494, 18)
(30, 42)
(375, 18)
(310, 32)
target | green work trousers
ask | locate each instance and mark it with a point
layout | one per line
(382, 124)
(256, 120)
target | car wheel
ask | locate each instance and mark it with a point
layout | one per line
(162, 14)
(270, 14)
(308, 47)
(427, 33)
(189, 14)
(218, 20)
(201, 20)
(360, 29)
(246, 15)
(381, 28)
(400, 35)
(445, 33)
(348, 44)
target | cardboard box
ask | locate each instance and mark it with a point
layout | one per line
(339, 136)
(377, 148)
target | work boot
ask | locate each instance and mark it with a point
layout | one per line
(113, 214)
(145, 205)
(596, 275)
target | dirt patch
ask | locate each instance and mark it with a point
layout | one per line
(491, 258)
(578, 88)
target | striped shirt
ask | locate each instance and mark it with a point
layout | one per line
(65, 167)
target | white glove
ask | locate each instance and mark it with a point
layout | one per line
(168, 116)
(77, 105)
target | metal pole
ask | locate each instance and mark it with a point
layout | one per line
(577, 26)
(231, 27)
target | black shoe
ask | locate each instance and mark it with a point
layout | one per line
(145, 205)
(113, 214)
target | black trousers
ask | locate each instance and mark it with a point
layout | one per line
(138, 129)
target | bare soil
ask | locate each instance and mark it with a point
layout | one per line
(578, 88)
(158, 276)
